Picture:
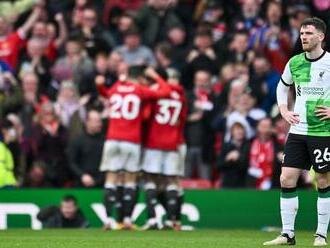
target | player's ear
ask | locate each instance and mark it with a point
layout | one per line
(321, 36)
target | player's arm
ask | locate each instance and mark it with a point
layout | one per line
(282, 93)
(101, 88)
(163, 90)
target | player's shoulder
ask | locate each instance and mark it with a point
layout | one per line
(298, 59)
(126, 87)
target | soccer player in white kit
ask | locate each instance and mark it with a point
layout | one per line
(309, 136)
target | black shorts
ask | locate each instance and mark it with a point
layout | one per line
(302, 152)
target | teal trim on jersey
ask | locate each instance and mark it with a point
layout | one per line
(324, 195)
(287, 195)
(300, 69)
(316, 127)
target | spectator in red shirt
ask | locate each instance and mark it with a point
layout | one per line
(47, 33)
(264, 153)
(11, 42)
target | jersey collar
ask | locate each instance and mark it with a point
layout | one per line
(316, 59)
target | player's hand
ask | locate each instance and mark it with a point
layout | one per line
(291, 117)
(150, 72)
(59, 17)
(323, 112)
(87, 180)
(99, 80)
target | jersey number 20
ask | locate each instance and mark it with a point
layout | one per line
(126, 107)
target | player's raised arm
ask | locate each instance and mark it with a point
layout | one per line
(101, 88)
(163, 90)
(282, 93)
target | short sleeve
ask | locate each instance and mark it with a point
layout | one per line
(286, 77)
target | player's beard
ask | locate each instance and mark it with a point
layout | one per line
(310, 46)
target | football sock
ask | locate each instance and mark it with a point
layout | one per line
(161, 196)
(119, 203)
(323, 211)
(129, 199)
(289, 208)
(171, 201)
(179, 204)
(109, 197)
(151, 199)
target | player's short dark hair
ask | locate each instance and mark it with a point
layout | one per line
(136, 71)
(70, 198)
(316, 22)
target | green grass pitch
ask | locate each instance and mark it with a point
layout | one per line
(97, 238)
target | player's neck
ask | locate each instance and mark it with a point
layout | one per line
(315, 54)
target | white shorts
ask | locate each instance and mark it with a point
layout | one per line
(120, 155)
(161, 162)
(182, 150)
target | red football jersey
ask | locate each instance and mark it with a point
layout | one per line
(125, 108)
(9, 48)
(165, 126)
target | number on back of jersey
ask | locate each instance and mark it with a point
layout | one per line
(125, 107)
(169, 111)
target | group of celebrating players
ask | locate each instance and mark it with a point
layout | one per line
(145, 134)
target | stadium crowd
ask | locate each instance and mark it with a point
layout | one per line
(228, 56)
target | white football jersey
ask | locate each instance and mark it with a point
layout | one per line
(311, 78)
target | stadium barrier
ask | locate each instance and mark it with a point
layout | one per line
(202, 208)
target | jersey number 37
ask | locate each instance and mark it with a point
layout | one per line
(168, 112)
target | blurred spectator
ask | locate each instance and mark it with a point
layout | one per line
(31, 101)
(248, 18)
(265, 155)
(272, 39)
(94, 37)
(133, 52)
(10, 92)
(233, 160)
(214, 15)
(51, 142)
(199, 136)
(70, 109)
(281, 129)
(263, 83)
(47, 33)
(179, 42)
(245, 113)
(119, 26)
(35, 61)
(111, 6)
(163, 54)
(7, 177)
(155, 19)
(35, 176)
(85, 153)
(201, 57)
(108, 67)
(75, 65)
(11, 42)
(237, 50)
(68, 215)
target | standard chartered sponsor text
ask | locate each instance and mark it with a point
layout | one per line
(312, 91)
